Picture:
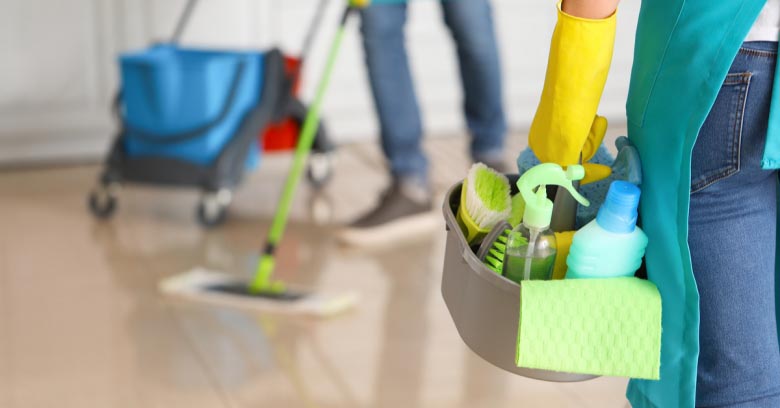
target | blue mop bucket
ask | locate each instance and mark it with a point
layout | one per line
(187, 104)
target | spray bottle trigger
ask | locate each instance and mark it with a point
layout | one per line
(575, 172)
(538, 208)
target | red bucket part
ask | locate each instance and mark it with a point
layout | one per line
(290, 65)
(283, 135)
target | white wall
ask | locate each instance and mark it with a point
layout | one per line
(524, 30)
(57, 71)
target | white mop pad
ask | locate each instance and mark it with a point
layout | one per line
(217, 288)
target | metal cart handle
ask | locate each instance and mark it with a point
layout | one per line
(184, 18)
(189, 7)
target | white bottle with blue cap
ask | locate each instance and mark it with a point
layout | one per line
(611, 245)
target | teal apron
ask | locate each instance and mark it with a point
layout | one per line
(684, 49)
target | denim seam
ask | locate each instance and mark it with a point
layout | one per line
(738, 78)
(736, 149)
(757, 53)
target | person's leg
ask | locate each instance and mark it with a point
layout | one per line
(404, 208)
(732, 235)
(471, 25)
(382, 26)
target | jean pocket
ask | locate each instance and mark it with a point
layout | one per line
(716, 154)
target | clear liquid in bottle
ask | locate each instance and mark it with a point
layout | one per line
(541, 255)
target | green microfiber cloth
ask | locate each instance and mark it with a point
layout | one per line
(608, 327)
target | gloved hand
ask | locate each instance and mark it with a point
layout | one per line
(593, 171)
(563, 241)
(361, 3)
(564, 128)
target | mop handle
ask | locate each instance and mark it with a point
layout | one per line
(295, 75)
(184, 18)
(265, 266)
(314, 27)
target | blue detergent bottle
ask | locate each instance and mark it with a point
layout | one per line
(611, 245)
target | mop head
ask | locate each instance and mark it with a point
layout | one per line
(222, 289)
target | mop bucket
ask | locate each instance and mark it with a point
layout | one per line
(483, 305)
(283, 135)
(187, 104)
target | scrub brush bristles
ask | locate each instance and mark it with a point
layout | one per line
(488, 198)
(493, 248)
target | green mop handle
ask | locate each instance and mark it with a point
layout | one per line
(265, 266)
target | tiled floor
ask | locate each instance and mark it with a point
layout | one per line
(82, 324)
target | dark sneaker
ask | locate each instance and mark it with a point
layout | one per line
(403, 212)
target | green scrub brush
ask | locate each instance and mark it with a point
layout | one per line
(493, 247)
(485, 200)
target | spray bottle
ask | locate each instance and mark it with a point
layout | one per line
(531, 247)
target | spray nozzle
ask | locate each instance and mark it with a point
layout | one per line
(538, 208)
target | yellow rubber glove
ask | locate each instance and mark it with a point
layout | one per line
(594, 172)
(359, 3)
(564, 126)
(563, 240)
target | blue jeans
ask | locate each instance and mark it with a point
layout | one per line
(471, 25)
(732, 233)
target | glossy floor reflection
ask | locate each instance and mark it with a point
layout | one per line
(82, 324)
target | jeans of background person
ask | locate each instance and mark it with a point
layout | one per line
(732, 233)
(471, 25)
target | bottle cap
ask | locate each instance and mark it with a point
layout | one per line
(618, 214)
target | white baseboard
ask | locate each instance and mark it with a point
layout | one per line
(34, 149)
(92, 145)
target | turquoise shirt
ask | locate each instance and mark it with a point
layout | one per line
(684, 49)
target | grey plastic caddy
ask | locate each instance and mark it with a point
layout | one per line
(483, 305)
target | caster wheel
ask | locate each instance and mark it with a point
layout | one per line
(321, 209)
(102, 203)
(320, 169)
(212, 209)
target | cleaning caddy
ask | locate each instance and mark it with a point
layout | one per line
(516, 317)
(192, 117)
